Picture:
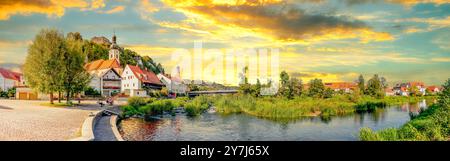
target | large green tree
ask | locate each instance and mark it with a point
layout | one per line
(374, 87)
(284, 79)
(316, 88)
(75, 76)
(361, 85)
(43, 63)
(297, 85)
(444, 96)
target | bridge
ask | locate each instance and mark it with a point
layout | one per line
(197, 93)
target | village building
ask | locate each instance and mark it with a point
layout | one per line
(10, 79)
(389, 92)
(174, 83)
(106, 73)
(433, 89)
(346, 87)
(403, 89)
(137, 81)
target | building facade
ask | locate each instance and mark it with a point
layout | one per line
(10, 79)
(105, 74)
(137, 81)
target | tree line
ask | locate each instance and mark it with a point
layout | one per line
(291, 87)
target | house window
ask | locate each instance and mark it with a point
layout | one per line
(133, 84)
(137, 93)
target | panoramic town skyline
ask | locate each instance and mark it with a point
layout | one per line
(402, 40)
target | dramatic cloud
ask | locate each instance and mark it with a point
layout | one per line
(48, 7)
(269, 19)
(115, 10)
(402, 2)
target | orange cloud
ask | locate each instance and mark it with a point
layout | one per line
(268, 19)
(48, 7)
(402, 2)
(115, 10)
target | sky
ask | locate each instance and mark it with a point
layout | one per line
(334, 40)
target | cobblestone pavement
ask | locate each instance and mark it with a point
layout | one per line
(29, 120)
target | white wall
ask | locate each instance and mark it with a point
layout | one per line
(95, 82)
(111, 75)
(129, 80)
(2, 83)
(6, 84)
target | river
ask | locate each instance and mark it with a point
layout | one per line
(242, 127)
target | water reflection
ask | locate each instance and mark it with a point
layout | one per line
(243, 127)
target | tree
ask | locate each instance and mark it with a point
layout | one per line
(74, 36)
(413, 91)
(284, 79)
(44, 62)
(75, 76)
(444, 96)
(316, 88)
(328, 93)
(257, 89)
(374, 87)
(297, 86)
(129, 57)
(94, 51)
(361, 85)
(384, 83)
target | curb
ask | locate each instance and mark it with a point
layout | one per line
(87, 130)
(113, 121)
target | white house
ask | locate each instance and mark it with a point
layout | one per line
(173, 83)
(10, 79)
(106, 81)
(137, 81)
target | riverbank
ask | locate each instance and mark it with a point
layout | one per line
(265, 107)
(432, 124)
(283, 108)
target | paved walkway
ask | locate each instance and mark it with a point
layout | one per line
(29, 120)
(103, 131)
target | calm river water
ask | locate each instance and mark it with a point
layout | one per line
(212, 126)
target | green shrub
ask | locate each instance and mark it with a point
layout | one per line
(197, 106)
(366, 134)
(136, 101)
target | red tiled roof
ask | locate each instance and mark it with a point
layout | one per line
(10, 74)
(431, 88)
(144, 75)
(388, 90)
(102, 64)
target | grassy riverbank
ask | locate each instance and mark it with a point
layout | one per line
(283, 108)
(265, 107)
(431, 124)
(150, 106)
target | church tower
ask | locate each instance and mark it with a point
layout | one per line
(114, 50)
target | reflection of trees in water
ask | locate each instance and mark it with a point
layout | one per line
(137, 129)
(376, 116)
(176, 122)
(379, 115)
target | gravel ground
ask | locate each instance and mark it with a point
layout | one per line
(28, 120)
